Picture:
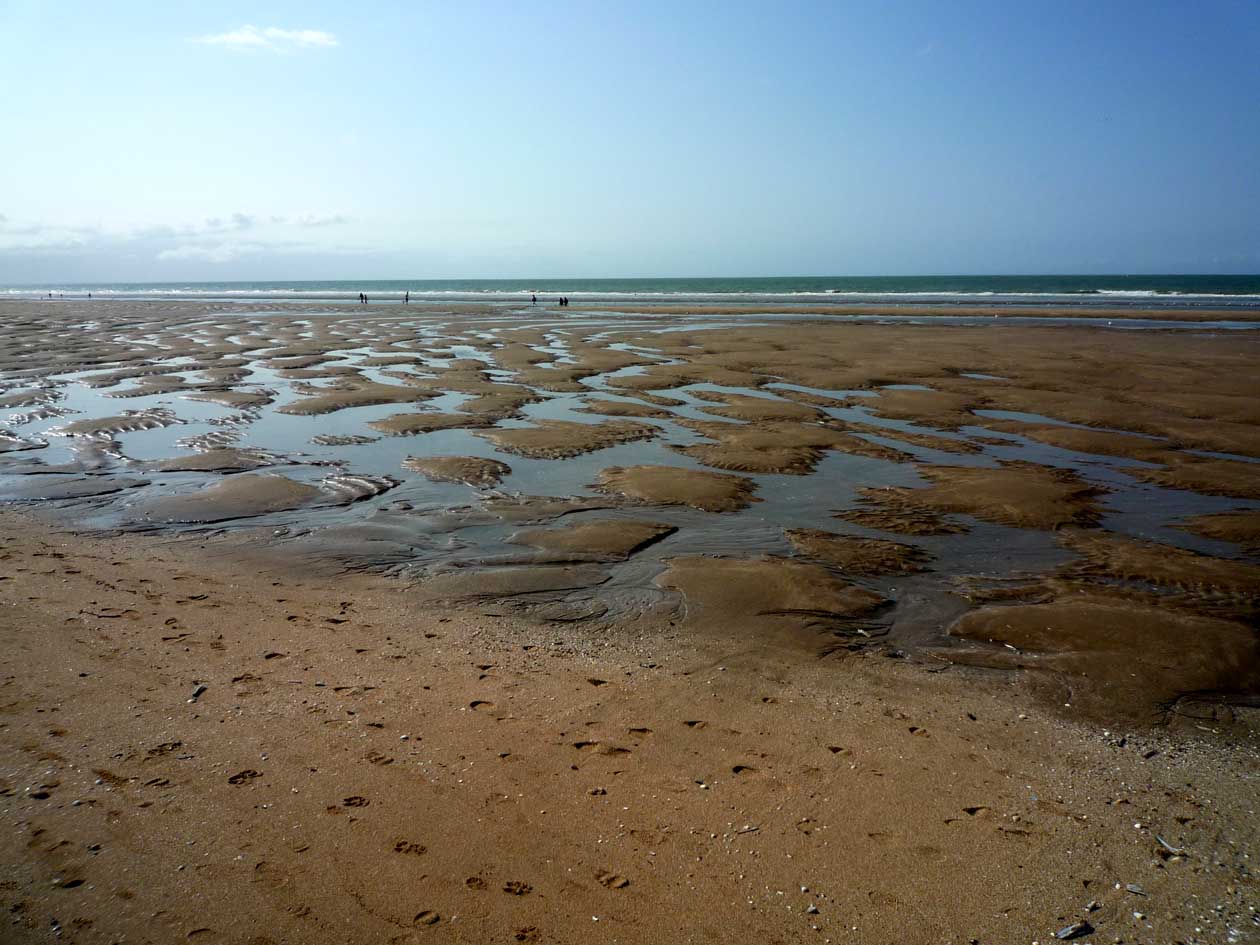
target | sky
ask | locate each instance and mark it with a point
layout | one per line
(317, 140)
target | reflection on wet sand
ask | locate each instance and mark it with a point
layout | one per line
(831, 481)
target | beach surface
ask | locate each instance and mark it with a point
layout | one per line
(326, 624)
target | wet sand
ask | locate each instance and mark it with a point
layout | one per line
(945, 311)
(682, 618)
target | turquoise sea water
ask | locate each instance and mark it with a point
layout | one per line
(1205, 291)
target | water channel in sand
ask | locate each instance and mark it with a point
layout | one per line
(158, 416)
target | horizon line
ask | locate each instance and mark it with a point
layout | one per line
(926, 275)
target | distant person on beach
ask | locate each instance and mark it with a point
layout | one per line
(407, 298)
(533, 300)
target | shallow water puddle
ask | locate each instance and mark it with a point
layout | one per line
(810, 449)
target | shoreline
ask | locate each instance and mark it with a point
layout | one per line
(421, 305)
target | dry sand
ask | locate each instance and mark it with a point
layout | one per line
(356, 769)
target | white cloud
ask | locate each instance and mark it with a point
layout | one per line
(237, 221)
(311, 219)
(166, 236)
(269, 39)
(216, 242)
(11, 229)
(218, 253)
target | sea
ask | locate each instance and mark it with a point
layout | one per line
(1240, 292)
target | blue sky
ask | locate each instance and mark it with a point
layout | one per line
(146, 141)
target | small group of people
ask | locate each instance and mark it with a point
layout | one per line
(563, 300)
(363, 299)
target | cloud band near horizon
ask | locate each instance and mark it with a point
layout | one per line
(250, 38)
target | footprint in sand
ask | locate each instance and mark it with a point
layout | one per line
(112, 613)
(487, 708)
(411, 847)
(611, 880)
(517, 888)
(376, 758)
(427, 917)
(242, 777)
(475, 882)
(356, 801)
(601, 748)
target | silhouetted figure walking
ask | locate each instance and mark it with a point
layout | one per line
(407, 298)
